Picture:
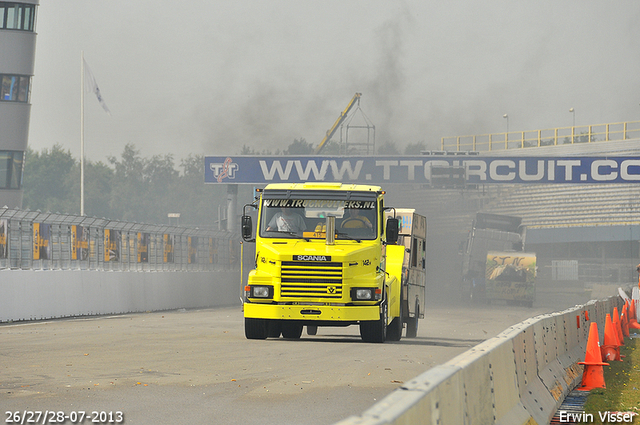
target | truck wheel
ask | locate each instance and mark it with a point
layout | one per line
(312, 330)
(291, 330)
(394, 331)
(255, 328)
(375, 330)
(412, 323)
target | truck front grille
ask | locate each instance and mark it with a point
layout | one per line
(311, 279)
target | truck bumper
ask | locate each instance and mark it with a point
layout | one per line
(312, 312)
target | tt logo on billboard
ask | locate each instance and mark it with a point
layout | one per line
(225, 170)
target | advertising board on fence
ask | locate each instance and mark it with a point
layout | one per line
(67, 243)
(79, 243)
(168, 248)
(41, 241)
(3, 239)
(420, 169)
(143, 247)
(192, 249)
(112, 245)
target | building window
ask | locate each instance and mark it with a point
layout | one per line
(14, 88)
(11, 166)
(17, 16)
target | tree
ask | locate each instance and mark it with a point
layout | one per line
(331, 148)
(129, 188)
(97, 189)
(128, 185)
(248, 150)
(199, 202)
(415, 148)
(48, 178)
(299, 147)
(52, 183)
(388, 148)
(582, 138)
(162, 182)
(143, 189)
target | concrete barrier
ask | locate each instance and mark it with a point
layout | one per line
(518, 377)
(34, 295)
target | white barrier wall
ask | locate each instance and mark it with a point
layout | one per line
(518, 377)
(32, 295)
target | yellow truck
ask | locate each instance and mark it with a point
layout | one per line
(510, 276)
(327, 254)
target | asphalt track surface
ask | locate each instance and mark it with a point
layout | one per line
(196, 367)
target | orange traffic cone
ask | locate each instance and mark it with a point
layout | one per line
(624, 319)
(593, 374)
(633, 316)
(611, 348)
(618, 327)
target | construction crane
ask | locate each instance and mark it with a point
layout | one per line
(340, 120)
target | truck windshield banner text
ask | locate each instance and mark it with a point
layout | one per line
(418, 169)
(311, 203)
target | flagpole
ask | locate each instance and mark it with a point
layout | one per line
(82, 133)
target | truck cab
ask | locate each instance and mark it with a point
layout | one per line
(326, 255)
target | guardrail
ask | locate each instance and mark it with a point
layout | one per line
(518, 377)
(547, 137)
(33, 240)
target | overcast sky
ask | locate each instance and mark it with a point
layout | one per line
(207, 77)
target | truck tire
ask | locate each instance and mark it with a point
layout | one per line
(291, 330)
(255, 328)
(312, 330)
(394, 331)
(412, 323)
(375, 330)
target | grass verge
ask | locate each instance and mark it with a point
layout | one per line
(623, 385)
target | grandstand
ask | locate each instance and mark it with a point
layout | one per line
(592, 228)
(558, 206)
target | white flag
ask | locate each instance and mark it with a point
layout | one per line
(92, 86)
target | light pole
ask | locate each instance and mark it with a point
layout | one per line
(506, 135)
(573, 111)
(573, 128)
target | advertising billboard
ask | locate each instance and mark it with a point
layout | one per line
(420, 169)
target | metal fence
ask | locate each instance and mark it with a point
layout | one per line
(547, 137)
(49, 241)
(600, 271)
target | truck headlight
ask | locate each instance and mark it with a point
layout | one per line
(365, 294)
(260, 291)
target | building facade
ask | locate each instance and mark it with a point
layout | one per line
(17, 57)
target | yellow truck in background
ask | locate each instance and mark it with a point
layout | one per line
(327, 254)
(510, 276)
(413, 236)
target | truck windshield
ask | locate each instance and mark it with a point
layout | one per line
(306, 218)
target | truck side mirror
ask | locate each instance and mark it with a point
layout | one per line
(392, 230)
(247, 228)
